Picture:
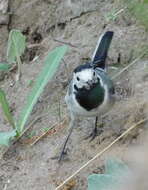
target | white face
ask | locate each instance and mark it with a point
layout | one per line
(85, 78)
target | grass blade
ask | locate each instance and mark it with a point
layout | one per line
(6, 108)
(52, 62)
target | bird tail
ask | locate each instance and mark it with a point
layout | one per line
(100, 53)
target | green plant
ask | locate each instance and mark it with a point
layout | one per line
(116, 172)
(31, 134)
(138, 9)
(111, 16)
(6, 108)
(6, 136)
(45, 129)
(4, 67)
(16, 47)
(30, 83)
(51, 64)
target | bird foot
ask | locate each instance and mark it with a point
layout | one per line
(94, 134)
(62, 156)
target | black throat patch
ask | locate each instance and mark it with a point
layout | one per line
(92, 98)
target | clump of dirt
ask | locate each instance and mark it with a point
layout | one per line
(48, 24)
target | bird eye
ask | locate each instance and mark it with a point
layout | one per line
(78, 78)
(76, 88)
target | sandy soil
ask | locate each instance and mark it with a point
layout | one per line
(78, 24)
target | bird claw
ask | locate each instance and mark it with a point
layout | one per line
(62, 155)
(94, 134)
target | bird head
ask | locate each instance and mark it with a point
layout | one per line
(84, 77)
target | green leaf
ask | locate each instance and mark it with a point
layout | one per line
(116, 173)
(116, 167)
(51, 64)
(5, 137)
(4, 67)
(16, 45)
(6, 108)
(100, 182)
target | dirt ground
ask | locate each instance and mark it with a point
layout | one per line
(47, 24)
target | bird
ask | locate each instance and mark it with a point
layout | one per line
(90, 92)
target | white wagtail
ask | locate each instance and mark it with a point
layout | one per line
(91, 91)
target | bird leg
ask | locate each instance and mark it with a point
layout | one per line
(96, 131)
(63, 152)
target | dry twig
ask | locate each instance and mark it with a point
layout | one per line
(49, 130)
